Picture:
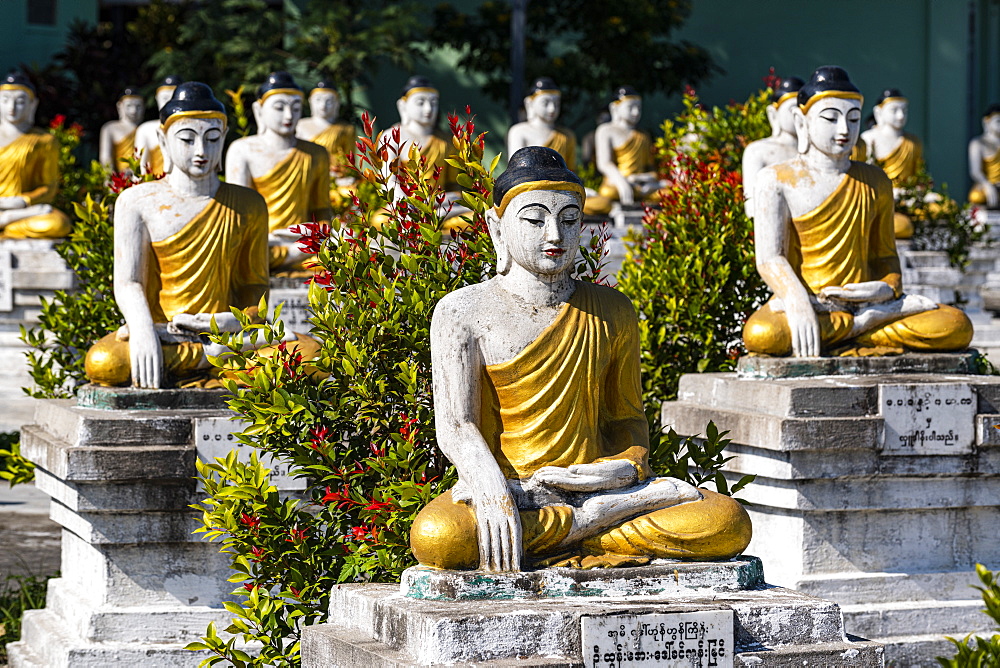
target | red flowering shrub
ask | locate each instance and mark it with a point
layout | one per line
(357, 423)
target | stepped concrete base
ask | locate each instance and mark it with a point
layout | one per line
(136, 585)
(880, 492)
(530, 625)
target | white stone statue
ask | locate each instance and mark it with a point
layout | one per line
(117, 138)
(984, 161)
(292, 174)
(781, 145)
(563, 476)
(825, 245)
(624, 153)
(418, 109)
(147, 146)
(187, 249)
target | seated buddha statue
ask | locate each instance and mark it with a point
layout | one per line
(823, 233)
(898, 153)
(337, 137)
(984, 161)
(147, 147)
(292, 174)
(418, 109)
(538, 404)
(624, 154)
(541, 107)
(188, 248)
(117, 139)
(781, 145)
(29, 167)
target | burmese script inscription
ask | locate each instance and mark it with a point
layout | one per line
(216, 437)
(700, 639)
(928, 419)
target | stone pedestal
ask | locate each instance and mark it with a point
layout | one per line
(567, 617)
(136, 585)
(293, 295)
(878, 484)
(30, 269)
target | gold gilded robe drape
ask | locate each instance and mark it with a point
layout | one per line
(904, 162)
(297, 187)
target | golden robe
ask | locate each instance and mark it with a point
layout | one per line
(563, 142)
(338, 140)
(217, 261)
(860, 151)
(905, 161)
(573, 396)
(29, 168)
(849, 238)
(297, 187)
(122, 151)
(635, 156)
(991, 170)
(153, 159)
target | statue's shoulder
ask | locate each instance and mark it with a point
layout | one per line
(243, 199)
(566, 132)
(609, 302)
(462, 309)
(873, 175)
(913, 138)
(312, 149)
(135, 196)
(241, 145)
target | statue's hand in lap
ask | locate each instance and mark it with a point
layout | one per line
(15, 202)
(868, 291)
(146, 357)
(594, 477)
(202, 322)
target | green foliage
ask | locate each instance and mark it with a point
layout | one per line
(939, 222)
(718, 135)
(560, 38)
(14, 468)
(695, 460)
(984, 652)
(17, 594)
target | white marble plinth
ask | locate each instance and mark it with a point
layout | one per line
(857, 500)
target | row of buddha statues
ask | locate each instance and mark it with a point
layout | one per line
(551, 471)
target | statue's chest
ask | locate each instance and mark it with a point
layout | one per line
(810, 193)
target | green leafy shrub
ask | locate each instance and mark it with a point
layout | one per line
(942, 225)
(985, 653)
(14, 468)
(17, 594)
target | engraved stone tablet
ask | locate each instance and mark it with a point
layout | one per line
(689, 639)
(930, 419)
(6, 280)
(295, 311)
(216, 437)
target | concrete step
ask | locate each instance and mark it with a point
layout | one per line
(917, 651)
(882, 620)
(864, 590)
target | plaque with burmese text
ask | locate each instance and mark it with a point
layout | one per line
(216, 437)
(699, 639)
(928, 419)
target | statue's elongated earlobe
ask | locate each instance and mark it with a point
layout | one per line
(801, 133)
(503, 255)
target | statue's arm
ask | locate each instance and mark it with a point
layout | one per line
(884, 259)
(105, 150)
(515, 140)
(772, 221)
(131, 248)
(251, 279)
(457, 363)
(237, 166)
(752, 163)
(606, 164)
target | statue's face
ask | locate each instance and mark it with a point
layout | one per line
(544, 106)
(17, 107)
(991, 125)
(421, 108)
(131, 109)
(194, 145)
(786, 115)
(163, 96)
(541, 230)
(894, 113)
(280, 112)
(325, 104)
(627, 111)
(833, 125)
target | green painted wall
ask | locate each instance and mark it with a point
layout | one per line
(922, 47)
(34, 44)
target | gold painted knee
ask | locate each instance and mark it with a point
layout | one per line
(977, 196)
(443, 535)
(54, 225)
(597, 206)
(107, 362)
(766, 332)
(903, 225)
(608, 191)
